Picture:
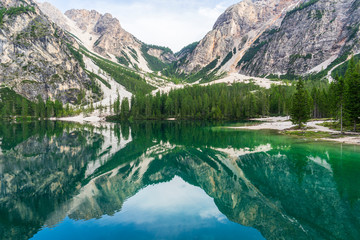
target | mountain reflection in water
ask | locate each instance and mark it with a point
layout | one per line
(173, 180)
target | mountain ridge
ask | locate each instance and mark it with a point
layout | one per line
(253, 38)
(103, 34)
(36, 59)
(326, 31)
(236, 28)
(276, 37)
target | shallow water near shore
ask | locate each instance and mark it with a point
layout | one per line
(173, 180)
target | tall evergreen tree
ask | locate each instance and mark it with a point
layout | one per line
(5, 112)
(338, 88)
(300, 111)
(58, 108)
(49, 108)
(24, 108)
(92, 106)
(125, 109)
(352, 92)
(40, 107)
(117, 104)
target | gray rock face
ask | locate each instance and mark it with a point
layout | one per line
(237, 29)
(186, 51)
(34, 56)
(54, 14)
(307, 37)
(112, 35)
(166, 57)
(113, 39)
(279, 37)
(84, 19)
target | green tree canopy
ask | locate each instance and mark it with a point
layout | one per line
(352, 92)
(300, 111)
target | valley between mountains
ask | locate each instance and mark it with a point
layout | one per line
(83, 63)
(252, 132)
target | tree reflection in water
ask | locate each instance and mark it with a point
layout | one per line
(283, 187)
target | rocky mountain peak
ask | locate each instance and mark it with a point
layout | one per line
(36, 55)
(312, 37)
(237, 28)
(280, 37)
(84, 19)
(108, 24)
(54, 15)
(15, 3)
(112, 40)
(93, 21)
(103, 34)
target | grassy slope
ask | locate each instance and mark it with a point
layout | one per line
(132, 81)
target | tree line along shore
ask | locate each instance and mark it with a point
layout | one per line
(301, 99)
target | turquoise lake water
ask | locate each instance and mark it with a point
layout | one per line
(173, 180)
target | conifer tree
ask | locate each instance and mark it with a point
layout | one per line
(24, 108)
(40, 107)
(117, 104)
(91, 106)
(169, 106)
(352, 93)
(110, 107)
(49, 108)
(125, 109)
(338, 87)
(100, 108)
(58, 108)
(5, 112)
(67, 109)
(300, 112)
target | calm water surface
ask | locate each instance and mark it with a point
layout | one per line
(173, 181)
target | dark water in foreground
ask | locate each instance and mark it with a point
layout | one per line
(173, 181)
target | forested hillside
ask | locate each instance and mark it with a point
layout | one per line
(222, 101)
(242, 101)
(48, 71)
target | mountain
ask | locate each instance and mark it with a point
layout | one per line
(184, 52)
(103, 34)
(44, 53)
(235, 31)
(36, 57)
(84, 56)
(281, 37)
(313, 36)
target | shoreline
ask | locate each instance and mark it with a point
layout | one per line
(283, 125)
(93, 119)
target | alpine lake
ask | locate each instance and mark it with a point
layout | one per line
(173, 180)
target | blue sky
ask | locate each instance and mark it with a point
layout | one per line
(171, 23)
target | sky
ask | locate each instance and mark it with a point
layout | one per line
(170, 23)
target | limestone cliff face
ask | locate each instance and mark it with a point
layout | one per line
(313, 33)
(55, 15)
(261, 37)
(34, 55)
(111, 40)
(235, 30)
(164, 56)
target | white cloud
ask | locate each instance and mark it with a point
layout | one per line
(171, 200)
(212, 13)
